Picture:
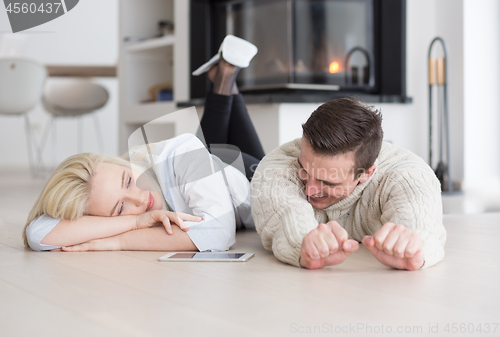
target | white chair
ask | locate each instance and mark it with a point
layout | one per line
(72, 98)
(21, 85)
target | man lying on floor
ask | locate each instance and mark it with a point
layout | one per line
(316, 198)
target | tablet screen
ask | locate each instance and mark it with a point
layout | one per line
(195, 256)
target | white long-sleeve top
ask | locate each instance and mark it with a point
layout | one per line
(192, 182)
(403, 190)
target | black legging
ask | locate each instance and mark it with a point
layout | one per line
(226, 121)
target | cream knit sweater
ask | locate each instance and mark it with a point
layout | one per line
(403, 190)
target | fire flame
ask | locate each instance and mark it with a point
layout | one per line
(334, 67)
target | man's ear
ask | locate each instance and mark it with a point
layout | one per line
(367, 174)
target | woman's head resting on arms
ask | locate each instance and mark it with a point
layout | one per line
(92, 184)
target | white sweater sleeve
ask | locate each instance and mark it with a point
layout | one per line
(38, 229)
(280, 210)
(412, 198)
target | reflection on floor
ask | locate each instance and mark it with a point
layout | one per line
(471, 202)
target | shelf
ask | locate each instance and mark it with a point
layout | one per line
(306, 96)
(150, 62)
(150, 44)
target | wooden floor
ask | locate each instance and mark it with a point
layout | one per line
(132, 294)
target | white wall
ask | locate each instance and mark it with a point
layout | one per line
(408, 125)
(86, 35)
(482, 89)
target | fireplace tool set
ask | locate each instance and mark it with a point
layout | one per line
(438, 79)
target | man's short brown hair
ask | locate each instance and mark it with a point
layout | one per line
(346, 125)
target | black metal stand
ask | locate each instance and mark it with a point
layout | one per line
(438, 77)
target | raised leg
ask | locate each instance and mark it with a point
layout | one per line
(226, 120)
(241, 130)
(218, 103)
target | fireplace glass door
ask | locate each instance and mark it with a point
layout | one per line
(303, 44)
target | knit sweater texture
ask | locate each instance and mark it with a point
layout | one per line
(403, 190)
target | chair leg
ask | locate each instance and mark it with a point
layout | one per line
(99, 135)
(80, 134)
(46, 132)
(29, 144)
(36, 161)
(54, 142)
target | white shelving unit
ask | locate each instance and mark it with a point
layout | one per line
(150, 62)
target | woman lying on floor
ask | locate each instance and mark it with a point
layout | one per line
(93, 202)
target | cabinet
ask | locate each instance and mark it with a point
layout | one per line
(149, 62)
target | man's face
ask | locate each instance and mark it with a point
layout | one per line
(328, 179)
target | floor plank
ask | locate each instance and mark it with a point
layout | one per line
(28, 314)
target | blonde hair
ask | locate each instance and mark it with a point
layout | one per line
(67, 191)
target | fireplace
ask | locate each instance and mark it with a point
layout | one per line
(307, 47)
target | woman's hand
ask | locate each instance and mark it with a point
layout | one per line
(148, 219)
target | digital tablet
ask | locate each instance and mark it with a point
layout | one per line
(206, 257)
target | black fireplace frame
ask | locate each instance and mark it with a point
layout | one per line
(389, 58)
